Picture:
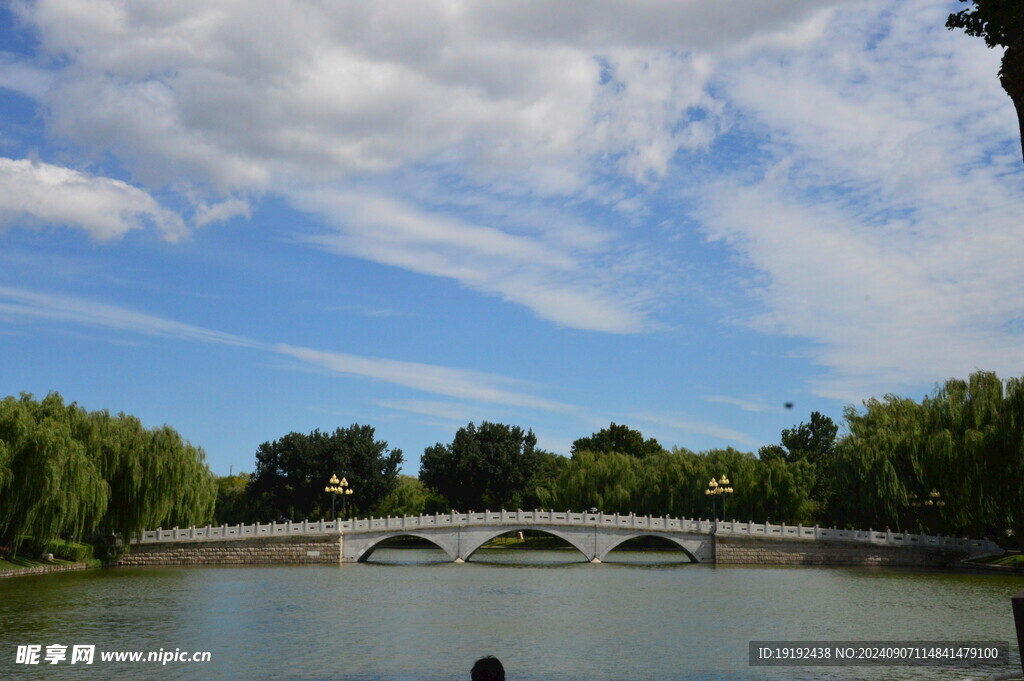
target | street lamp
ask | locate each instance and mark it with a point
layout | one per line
(935, 501)
(336, 487)
(333, 489)
(346, 493)
(720, 487)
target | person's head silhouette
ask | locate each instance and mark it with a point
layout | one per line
(488, 669)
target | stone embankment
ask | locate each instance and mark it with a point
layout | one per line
(45, 569)
(770, 551)
(259, 551)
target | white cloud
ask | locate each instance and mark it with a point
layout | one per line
(40, 193)
(220, 212)
(689, 425)
(886, 222)
(513, 100)
(364, 87)
(22, 77)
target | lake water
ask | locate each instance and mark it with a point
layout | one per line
(543, 614)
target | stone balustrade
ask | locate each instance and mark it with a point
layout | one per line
(540, 519)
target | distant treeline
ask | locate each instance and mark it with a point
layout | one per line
(67, 473)
(952, 463)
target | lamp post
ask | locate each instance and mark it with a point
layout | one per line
(918, 508)
(336, 487)
(720, 487)
(334, 490)
(935, 501)
(345, 495)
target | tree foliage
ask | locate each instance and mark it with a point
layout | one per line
(291, 473)
(618, 438)
(1001, 24)
(65, 472)
(674, 483)
(486, 467)
(965, 442)
(233, 504)
(410, 497)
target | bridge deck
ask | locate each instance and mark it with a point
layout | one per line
(542, 519)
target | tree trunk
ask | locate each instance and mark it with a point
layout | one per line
(1011, 75)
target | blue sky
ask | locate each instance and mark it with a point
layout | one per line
(247, 218)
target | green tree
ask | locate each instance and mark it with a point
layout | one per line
(291, 473)
(966, 442)
(1001, 24)
(233, 504)
(410, 497)
(486, 467)
(65, 472)
(813, 441)
(616, 438)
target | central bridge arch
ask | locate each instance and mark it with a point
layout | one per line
(477, 540)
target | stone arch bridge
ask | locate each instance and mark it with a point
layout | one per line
(594, 535)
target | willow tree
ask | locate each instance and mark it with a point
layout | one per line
(976, 448)
(65, 472)
(878, 469)
(605, 480)
(53, 487)
(964, 443)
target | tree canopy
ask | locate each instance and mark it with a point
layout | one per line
(291, 473)
(65, 472)
(617, 438)
(965, 442)
(486, 467)
(1001, 24)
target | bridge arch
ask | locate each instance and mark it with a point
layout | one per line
(681, 543)
(471, 545)
(374, 544)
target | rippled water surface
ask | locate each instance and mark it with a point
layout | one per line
(543, 614)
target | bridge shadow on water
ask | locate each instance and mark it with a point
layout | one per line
(532, 548)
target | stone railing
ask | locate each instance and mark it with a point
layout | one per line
(541, 518)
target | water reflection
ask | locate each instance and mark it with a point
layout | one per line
(547, 614)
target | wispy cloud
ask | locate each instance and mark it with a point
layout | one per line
(367, 310)
(452, 411)
(688, 425)
(489, 389)
(458, 383)
(745, 405)
(59, 308)
(219, 212)
(884, 212)
(546, 276)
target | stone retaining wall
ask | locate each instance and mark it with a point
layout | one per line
(44, 569)
(765, 551)
(280, 550)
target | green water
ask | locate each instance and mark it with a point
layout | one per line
(543, 614)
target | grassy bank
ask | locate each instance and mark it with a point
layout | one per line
(1015, 560)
